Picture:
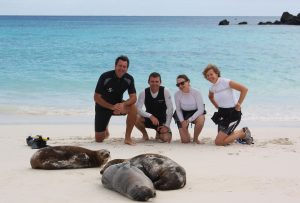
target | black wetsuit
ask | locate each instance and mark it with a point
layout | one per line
(156, 106)
(111, 88)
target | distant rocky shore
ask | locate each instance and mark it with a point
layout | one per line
(286, 19)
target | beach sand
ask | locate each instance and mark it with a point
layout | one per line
(267, 171)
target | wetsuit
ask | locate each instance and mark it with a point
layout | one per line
(111, 88)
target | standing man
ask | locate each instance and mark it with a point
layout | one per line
(109, 101)
(159, 109)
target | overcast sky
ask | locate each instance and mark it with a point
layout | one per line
(150, 7)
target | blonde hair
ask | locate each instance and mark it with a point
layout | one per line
(211, 67)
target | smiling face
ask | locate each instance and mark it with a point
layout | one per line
(211, 76)
(183, 84)
(154, 83)
(121, 68)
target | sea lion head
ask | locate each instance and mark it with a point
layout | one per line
(142, 193)
(171, 178)
(102, 156)
(112, 162)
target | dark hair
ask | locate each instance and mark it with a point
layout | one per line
(154, 75)
(211, 67)
(183, 76)
(122, 58)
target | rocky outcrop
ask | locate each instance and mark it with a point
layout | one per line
(243, 23)
(265, 23)
(286, 19)
(289, 19)
(224, 22)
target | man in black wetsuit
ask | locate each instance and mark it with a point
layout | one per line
(109, 101)
(159, 109)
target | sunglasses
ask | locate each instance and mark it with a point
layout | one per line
(180, 83)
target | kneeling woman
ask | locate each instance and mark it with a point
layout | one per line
(229, 113)
(189, 109)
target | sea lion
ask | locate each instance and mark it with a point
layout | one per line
(129, 181)
(165, 173)
(68, 157)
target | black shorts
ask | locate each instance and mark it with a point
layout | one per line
(148, 124)
(227, 119)
(186, 115)
(102, 118)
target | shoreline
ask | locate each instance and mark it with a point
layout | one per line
(8, 119)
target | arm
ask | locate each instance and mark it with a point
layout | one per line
(131, 100)
(243, 92)
(140, 103)
(178, 108)
(200, 106)
(212, 100)
(132, 94)
(120, 108)
(99, 100)
(169, 111)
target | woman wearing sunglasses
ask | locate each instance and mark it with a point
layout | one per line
(189, 109)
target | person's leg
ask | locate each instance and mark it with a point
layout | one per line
(140, 125)
(102, 118)
(199, 123)
(183, 131)
(100, 136)
(184, 135)
(130, 121)
(221, 136)
(165, 137)
(223, 139)
(164, 134)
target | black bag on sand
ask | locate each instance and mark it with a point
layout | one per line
(37, 142)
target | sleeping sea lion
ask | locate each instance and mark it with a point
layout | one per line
(129, 181)
(68, 157)
(165, 173)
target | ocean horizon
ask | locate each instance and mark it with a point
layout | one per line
(49, 65)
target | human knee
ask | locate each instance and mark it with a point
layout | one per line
(219, 143)
(139, 119)
(165, 137)
(200, 120)
(100, 136)
(132, 110)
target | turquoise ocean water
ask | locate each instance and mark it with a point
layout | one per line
(49, 66)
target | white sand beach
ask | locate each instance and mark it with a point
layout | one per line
(267, 171)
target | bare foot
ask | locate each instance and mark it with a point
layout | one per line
(129, 142)
(197, 141)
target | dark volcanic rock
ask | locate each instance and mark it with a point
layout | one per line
(265, 23)
(277, 22)
(289, 19)
(224, 22)
(243, 23)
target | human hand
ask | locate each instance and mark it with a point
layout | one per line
(118, 108)
(154, 120)
(238, 107)
(163, 129)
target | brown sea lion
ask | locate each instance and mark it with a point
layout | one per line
(129, 181)
(68, 157)
(165, 173)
